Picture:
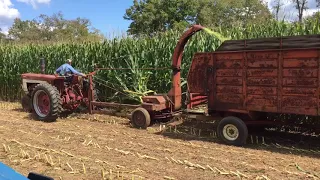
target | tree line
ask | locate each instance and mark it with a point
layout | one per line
(149, 17)
(152, 16)
(54, 28)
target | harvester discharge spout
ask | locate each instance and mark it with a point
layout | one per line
(165, 106)
(176, 92)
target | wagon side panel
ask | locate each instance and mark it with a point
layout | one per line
(197, 80)
(300, 82)
(228, 92)
(262, 80)
(279, 81)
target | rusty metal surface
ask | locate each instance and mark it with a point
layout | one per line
(160, 99)
(196, 99)
(40, 77)
(197, 74)
(90, 95)
(282, 81)
(198, 79)
(107, 104)
(176, 92)
(224, 99)
(156, 103)
(154, 107)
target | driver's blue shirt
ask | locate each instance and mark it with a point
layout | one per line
(67, 69)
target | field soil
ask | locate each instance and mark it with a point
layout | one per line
(107, 147)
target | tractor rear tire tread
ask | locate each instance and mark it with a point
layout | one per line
(55, 101)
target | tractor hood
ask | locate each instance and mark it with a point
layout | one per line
(40, 77)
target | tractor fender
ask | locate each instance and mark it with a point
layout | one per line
(26, 82)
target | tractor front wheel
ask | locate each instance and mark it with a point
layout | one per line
(26, 103)
(46, 102)
(140, 118)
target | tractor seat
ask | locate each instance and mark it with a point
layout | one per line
(67, 79)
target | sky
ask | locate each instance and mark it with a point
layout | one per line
(105, 15)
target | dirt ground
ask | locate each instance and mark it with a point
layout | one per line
(101, 146)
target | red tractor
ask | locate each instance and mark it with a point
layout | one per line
(47, 96)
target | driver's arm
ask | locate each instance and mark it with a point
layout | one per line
(75, 71)
(56, 73)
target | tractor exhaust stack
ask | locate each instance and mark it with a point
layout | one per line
(42, 65)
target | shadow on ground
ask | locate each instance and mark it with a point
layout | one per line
(273, 141)
(277, 142)
(31, 116)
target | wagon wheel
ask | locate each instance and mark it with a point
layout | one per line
(233, 131)
(140, 118)
(46, 102)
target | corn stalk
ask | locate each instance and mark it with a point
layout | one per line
(129, 53)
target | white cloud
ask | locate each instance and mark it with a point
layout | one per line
(7, 14)
(288, 10)
(34, 3)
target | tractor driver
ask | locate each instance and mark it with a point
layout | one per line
(67, 70)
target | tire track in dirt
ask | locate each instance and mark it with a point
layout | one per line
(174, 157)
(49, 145)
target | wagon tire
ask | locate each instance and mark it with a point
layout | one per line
(46, 102)
(26, 103)
(233, 131)
(140, 118)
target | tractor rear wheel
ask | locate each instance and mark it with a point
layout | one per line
(46, 102)
(26, 103)
(140, 118)
(233, 131)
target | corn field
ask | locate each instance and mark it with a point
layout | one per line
(127, 53)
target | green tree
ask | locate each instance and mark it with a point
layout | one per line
(314, 17)
(53, 28)
(301, 6)
(230, 13)
(276, 8)
(152, 16)
(23, 30)
(2, 35)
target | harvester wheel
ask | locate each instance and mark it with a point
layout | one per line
(140, 118)
(26, 103)
(46, 102)
(233, 131)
